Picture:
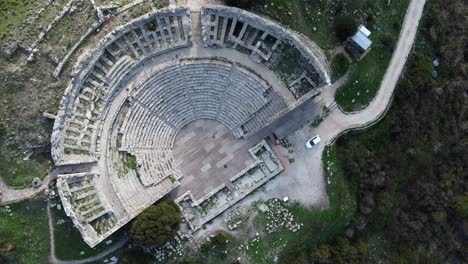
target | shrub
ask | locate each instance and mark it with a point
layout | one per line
(242, 3)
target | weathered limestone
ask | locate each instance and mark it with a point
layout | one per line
(259, 38)
(100, 71)
(199, 212)
(84, 204)
(148, 79)
(211, 89)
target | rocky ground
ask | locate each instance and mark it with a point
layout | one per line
(28, 89)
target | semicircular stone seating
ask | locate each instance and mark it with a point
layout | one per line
(299, 62)
(164, 101)
(100, 73)
(190, 90)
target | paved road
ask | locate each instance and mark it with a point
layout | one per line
(338, 122)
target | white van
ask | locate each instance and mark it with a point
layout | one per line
(313, 141)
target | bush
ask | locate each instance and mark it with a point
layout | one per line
(345, 26)
(217, 244)
(219, 239)
(156, 225)
(339, 66)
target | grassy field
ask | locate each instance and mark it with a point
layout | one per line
(19, 173)
(315, 20)
(13, 13)
(24, 225)
(23, 20)
(339, 66)
(68, 241)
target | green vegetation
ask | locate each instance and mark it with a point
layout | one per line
(216, 246)
(20, 19)
(316, 19)
(24, 136)
(130, 162)
(339, 66)
(24, 233)
(13, 12)
(17, 172)
(69, 244)
(409, 170)
(156, 225)
(344, 26)
(18, 169)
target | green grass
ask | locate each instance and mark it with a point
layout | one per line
(13, 12)
(68, 241)
(17, 16)
(382, 19)
(19, 173)
(302, 16)
(27, 229)
(339, 66)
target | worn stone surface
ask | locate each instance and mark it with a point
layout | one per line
(128, 115)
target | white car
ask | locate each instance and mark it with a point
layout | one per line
(313, 141)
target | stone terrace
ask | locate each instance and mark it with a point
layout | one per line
(156, 78)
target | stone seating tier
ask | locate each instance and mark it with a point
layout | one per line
(102, 70)
(283, 51)
(154, 165)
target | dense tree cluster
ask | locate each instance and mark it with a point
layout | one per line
(345, 26)
(156, 225)
(243, 3)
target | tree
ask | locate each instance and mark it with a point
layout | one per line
(345, 26)
(242, 3)
(156, 225)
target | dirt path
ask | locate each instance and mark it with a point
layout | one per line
(52, 257)
(11, 195)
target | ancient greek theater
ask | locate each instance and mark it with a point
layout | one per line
(233, 131)
(181, 102)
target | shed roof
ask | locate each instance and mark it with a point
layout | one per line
(362, 40)
(364, 30)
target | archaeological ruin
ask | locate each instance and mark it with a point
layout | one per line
(180, 102)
